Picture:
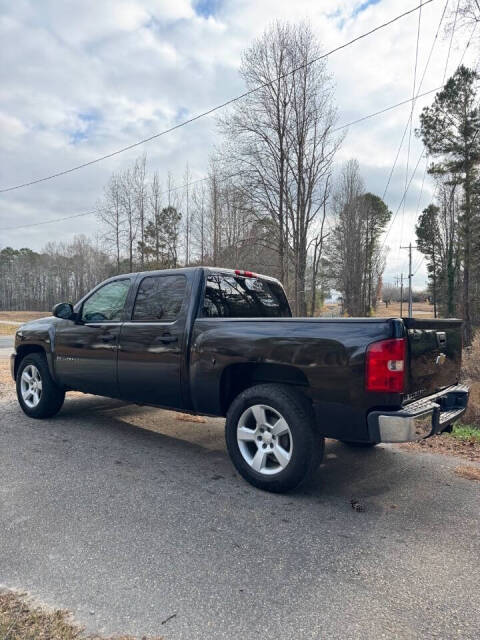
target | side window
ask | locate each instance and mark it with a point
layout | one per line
(106, 304)
(159, 299)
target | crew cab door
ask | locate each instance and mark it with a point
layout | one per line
(151, 346)
(86, 350)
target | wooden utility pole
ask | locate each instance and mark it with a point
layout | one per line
(410, 276)
(399, 279)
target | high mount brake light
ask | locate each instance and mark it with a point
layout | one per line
(385, 366)
(247, 274)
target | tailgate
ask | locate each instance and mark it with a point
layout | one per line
(435, 355)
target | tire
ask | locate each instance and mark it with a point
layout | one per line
(37, 393)
(359, 445)
(272, 455)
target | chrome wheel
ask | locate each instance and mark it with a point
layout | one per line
(31, 386)
(264, 439)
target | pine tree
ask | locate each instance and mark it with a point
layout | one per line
(449, 129)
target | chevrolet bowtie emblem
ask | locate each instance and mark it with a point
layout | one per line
(441, 359)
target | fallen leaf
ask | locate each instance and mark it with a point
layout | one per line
(471, 473)
(186, 417)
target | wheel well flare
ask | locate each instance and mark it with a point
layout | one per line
(238, 377)
(25, 350)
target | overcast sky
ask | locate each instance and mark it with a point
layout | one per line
(81, 79)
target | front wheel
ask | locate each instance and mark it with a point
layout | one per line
(272, 438)
(37, 393)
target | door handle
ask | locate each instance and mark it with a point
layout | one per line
(108, 337)
(166, 338)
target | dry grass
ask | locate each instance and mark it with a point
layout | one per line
(8, 329)
(23, 316)
(471, 376)
(471, 473)
(420, 310)
(187, 417)
(21, 620)
(448, 445)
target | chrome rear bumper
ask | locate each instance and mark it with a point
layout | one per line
(419, 419)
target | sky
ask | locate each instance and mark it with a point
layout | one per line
(79, 80)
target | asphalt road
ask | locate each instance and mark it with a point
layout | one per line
(127, 527)
(6, 342)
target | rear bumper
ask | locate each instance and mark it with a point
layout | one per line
(420, 419)
(12, 364)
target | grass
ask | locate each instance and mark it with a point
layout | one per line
(465, 432)
(20, 620)
(420, 310)
(23, 316)
(8, 329)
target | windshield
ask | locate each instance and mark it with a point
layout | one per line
(232, 296)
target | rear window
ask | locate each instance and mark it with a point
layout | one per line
(229, 296)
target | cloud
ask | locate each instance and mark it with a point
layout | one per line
(79, 80)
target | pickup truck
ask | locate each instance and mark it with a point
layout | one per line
(224, 343)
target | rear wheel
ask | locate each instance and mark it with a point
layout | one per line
(37, 393)
(272, 438)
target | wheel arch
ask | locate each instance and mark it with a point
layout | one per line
(238, 377)
(24, 350)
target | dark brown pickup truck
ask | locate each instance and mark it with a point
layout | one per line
(223, 343)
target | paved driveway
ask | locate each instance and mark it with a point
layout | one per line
(127, 527)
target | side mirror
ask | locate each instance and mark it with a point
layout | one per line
(63, 310)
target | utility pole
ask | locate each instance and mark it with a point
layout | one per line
(400, 279)
(401, 294)
(410, 275)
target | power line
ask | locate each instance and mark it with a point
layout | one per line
(37, 224)
(419, 265)
(468, 43)
(194, 182)
(450, 43)
(216, 108)
(419, 87)
(393, 106)
(401, 202)
(421, 189)
(420, 157)
(411, 117)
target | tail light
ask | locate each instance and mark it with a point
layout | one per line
(385, 366)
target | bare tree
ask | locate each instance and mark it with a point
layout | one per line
(153, 227)
(199, 222)
(188, 219)
(63, 271)
(345, 251)
(317, 242)
(110, 214)
(130, 213)
(279, 140)
(356, 259)
(140, 199)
